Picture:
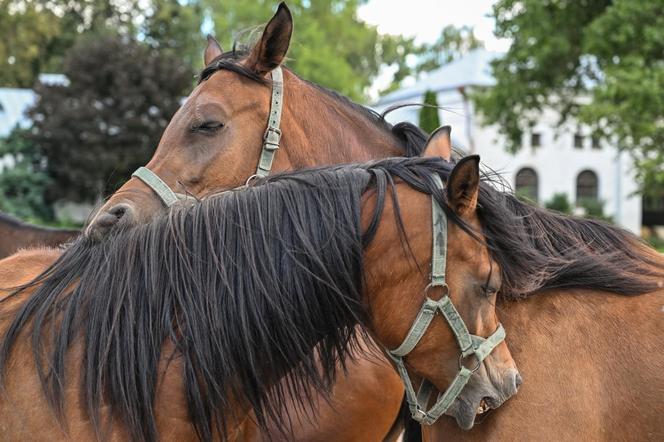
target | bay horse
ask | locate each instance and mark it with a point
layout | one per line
(16, 235)
(217, 139)
(586, 330)
(175, 328)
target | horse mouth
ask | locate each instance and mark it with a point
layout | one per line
(467, 415)
(483, 407)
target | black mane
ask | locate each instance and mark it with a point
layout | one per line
(539, 250)
(245, 284)
(412, 138)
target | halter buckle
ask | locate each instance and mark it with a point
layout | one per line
(419, 415)
(271, 138)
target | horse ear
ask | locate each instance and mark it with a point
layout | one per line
(463, 186)
(212, 51)
(271, 49)
(439, 144)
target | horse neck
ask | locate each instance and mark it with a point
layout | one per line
(339, 132)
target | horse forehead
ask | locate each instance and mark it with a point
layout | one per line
(225, 84)
(467, 250)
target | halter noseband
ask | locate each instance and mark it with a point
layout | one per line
(271, 139)
(469, 344)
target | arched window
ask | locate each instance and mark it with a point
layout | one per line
(586, 186)
(526, 184)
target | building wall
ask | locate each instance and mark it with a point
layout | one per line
(557, 162)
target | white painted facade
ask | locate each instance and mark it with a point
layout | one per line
(14, 102)
(556, 161)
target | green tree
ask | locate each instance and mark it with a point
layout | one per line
(38, 33)
(175, 27)
(452, 44)
(429, 120)
(560, 203)
(330, 45)
(25, 43)
(22, 186)
(594, 208)
(94, 132)
(598, 61)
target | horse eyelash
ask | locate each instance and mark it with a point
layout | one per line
(206, 126)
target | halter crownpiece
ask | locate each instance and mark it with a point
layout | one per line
(469, 344)
(271, 139)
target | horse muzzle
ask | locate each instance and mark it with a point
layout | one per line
(486, 391)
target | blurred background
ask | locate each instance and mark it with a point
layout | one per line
(564, 98)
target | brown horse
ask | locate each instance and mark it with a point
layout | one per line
(587, 337)
(16, 235)
(175, 329)
(214, 141)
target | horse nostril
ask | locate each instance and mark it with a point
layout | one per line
(113, 215)
(518, 380)
(118, 211)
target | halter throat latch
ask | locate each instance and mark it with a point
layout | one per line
(476, 346)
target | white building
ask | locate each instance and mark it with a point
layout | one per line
(14, 102)
(552, 160)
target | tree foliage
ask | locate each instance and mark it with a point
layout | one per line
(23, 184)
(429, 120)
(94, 132)
(600, 62)
(38, 33)
(174, 27)
(560, 203)
(331, 45)
(452, 44)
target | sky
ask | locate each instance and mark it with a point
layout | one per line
(424, 19)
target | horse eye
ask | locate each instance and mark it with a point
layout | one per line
(207, 127)
(490, 290)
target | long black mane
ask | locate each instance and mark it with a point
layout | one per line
(411, 137)
(242, 285)
(245, 284)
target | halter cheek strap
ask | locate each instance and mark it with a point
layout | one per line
(271, 139)
(468, 344)
(272, 134)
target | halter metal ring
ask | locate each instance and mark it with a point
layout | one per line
(475, 368)
(431, 286)
(249, 180)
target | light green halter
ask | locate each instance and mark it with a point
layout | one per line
(271, 139)
(469, 344)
